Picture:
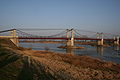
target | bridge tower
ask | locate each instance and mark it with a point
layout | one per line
(116, 40)
(101, 41)
(67, 33)
(14, 38)
(72, 37)
(70, 41)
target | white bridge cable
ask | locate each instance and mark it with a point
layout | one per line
(93, 35)
(86, 31)
(59, 34)
(78, 34)
(31, 35)
(37, 29)
(108, 36)
(42, 31)
(22, 33)
(56, 33)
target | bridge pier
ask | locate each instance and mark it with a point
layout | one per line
(67, 33)
(14, 38)
(116, 41)
(101, 41)
(70, 42)
(72, 37)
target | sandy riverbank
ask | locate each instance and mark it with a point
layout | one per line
(24, 64)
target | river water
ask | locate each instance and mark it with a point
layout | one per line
(104, 53)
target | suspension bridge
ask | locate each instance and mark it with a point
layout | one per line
(68, 35)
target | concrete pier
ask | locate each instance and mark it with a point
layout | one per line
(101, 41)
(14, 38)
(70, 42)
(116, 40)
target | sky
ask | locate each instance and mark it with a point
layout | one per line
(92, 15)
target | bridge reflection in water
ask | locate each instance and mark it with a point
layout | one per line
(99, 50)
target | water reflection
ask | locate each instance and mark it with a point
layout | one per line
(100, 50)
(71, 51)
(116, 48)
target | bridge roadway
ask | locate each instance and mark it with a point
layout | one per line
(62, 38)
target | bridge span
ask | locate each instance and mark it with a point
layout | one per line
(60, 38)
(70, 35)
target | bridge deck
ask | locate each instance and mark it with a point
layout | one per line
(61, 38)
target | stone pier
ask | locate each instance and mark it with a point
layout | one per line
(101, 41)
(70, 41)
(14, 38)
(116, 40)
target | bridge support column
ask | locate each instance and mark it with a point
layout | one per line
(72, 37)
(116, 41)
(67, 33)
(15, 37)
(101, 41)
(67, 36)
(70, 42)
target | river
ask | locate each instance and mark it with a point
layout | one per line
(104, 53)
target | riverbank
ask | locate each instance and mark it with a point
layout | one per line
(26, 64)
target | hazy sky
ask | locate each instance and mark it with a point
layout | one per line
(93, 15)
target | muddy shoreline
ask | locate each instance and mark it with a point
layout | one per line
(25, 64)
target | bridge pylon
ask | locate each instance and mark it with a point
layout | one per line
(14, 38)
(101, 41)
(72, 37)
(116, 40)
(70, 40)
